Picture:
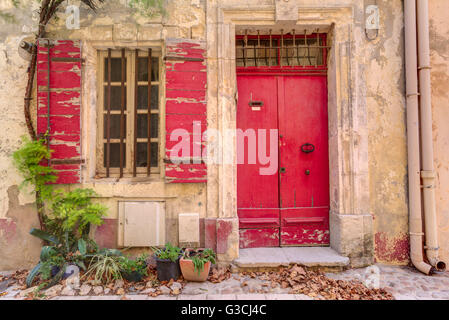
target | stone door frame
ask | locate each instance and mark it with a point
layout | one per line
(351, 229)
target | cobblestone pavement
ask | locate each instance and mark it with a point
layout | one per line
(404, 283)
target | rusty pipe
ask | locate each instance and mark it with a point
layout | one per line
(428, 169)
(414, 174)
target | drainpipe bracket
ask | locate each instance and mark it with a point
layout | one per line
(431, 249)
(427, 174)
(416, 234)
(425, 68)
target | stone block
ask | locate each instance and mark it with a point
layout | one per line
(149, 32)
(125, 32)
(286, 11)
(198, 31)
(101, 33)
(224, 297)
(251, 297)
(227, 239)
(352, 236)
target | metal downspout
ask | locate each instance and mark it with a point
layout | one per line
(428, 170)
(414, 174)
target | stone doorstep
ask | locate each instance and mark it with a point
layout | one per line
(262, 259)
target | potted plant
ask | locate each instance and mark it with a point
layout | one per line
(104, 266)
(134, 270)
(195, 264)
(167, 262)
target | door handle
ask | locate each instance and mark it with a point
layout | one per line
(307, 148)
(283, 170)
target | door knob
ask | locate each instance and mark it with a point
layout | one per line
(308, 172)
(283, 170)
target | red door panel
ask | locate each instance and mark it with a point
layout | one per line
(290, 208)
(304, 161)
(258, 195)
(305, 226)
(259, 238)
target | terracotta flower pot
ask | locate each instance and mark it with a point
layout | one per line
(190, 274)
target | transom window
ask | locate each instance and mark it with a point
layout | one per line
(129, 106)
(285, 50)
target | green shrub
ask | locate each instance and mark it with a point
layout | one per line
(168, 253)
(139, 265)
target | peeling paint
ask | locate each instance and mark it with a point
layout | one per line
(392, 249)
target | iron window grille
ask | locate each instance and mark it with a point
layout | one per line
(129, 113)
(291, 50)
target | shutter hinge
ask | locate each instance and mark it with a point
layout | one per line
(60, 59)
(180, 58)
(67, 162)
(185, 160)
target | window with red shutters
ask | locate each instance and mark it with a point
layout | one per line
(59, 109)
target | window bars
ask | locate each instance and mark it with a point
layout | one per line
(114, 80)
(299, 51)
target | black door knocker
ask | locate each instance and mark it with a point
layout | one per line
(307, 148)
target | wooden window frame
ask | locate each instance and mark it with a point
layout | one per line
(130, 55)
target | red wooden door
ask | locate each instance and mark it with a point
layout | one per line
(257, 195)
(291, 207)
(304, 160)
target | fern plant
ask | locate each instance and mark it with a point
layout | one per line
(29, 160)
(74, 212)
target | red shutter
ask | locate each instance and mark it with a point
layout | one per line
(186, 81)
(64, 97)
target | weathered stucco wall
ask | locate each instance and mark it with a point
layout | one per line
(439, 45)
(17, 215)
(387, 135)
